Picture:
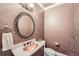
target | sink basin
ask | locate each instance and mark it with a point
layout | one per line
(21, 50)
(30, 47)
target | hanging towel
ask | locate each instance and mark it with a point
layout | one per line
(7, 41)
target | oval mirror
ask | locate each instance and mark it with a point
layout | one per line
(24, 25)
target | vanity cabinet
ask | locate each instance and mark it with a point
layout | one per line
(6, 53)
(39, 52)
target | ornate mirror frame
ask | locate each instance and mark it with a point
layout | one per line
(16, 21)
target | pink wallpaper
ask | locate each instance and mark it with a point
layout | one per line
(62, 26)
(8, 13)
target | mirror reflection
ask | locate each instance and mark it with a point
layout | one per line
(25, 25)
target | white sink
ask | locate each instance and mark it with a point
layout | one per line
(30, 47)
(27, 50)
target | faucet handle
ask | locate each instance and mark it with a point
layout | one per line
(28, 43)
(24, 44)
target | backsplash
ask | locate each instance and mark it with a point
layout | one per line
(32, 41)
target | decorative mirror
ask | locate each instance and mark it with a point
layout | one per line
(24, 25)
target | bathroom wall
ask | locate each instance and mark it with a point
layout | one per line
(62, 26)
(8, 13)
(76, 26)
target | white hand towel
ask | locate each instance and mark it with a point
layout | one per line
(7, 41)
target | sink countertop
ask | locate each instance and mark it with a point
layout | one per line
(18, 51)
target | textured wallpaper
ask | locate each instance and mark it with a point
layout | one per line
(8, 13)
(62, 26)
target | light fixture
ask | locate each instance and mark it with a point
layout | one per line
(31, 5)
(28, 6)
